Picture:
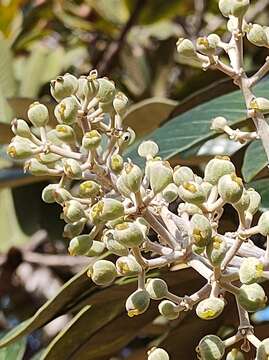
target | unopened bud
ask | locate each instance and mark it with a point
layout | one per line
(72, 169)
(91, 140)
(128, 234)
(103, 272)
(256, 35)
(148, 149)
(21, 128)
(137, 303)
(63, 86)
(80, 245)
(230, 188)
(128, 266)
(219, 123)
(66, 111)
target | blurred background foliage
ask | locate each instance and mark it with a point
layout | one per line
(132, 42)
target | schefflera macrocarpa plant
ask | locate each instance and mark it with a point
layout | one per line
(120, 201)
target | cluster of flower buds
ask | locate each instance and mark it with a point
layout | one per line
(110, 203)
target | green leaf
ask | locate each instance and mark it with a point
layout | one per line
(262, 186)
(11, 233)
(193, 127)
(7, 80)
(14, 351)
(69, 293)
(255, 160)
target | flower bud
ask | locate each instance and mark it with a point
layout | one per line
(65, 133)
(48, 158)
(225, 7)
(189, 208)
(251, 270)
(211, 347)
(243, 204)
(210, 308)
(80, 245)
(208, 45)
(192, 192)
(38, 114)
(106, 91)
(91, 140)
(73, 229)
(48, 193)
(252, 297)
(217, 167)
(63, 86)
(263, 350)
(216, 250)
(105, 210)
(20, 128)
(169, 310)
(114, 246)
(157, 288)
(170, 193)
(198, 250)
(148, 149)
(72, 169)
(62, 195)
(82, 88)
(240, 7)
(185, 47)
(182, 174)
(206, 187)
(120, 103)
(128, 266)
(91, 85)
(137, 303)
(89, 189)
(160, 175)
(256, 35)
(235, 354)
(66, 111)
(96, 249)
(19, 149)
(132, 177)
(263, 223)
(116, 163)
(260, 104)
(158, 354)
(230, 188)
(73, 211)
(129, 234)
(143, 225)
(218, 124)
(255, 201)
(122, 188)
(201, 230)
(103, 272)
(35, 167)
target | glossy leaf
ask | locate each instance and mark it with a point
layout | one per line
(255, 160)
(14, 351)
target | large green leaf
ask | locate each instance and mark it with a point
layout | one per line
(193, 127)
(14, 351)
(255, 160)
(262, 186)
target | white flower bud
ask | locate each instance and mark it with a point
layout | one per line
(148, 149)
(219, 123)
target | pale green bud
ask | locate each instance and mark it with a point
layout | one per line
(80, 245)
(21, 128)
(182, 174)
(235, 354)
(122, 188)
(185, 47)
(73, 229)
(66, 111)
(230, 188)
(252, 297)
(48, 193)
(62, 195)
(256, 35)
(105, 210)
(103, 272)
(208, 45)
(19, 149)
(218, 124)
(129, 234)
(157, 288)
(210, 308)
(263, 223)
(260, 104)
(143, 224)
(240, 7)
(189, 208)
(168, 309)
(114, 246)
(36, 168)
(192, 192)
(216, 250)
(170, 193)
(128, 266)
(158, 354)
(160, 175)
(217, 167)
(148, 149)
(73, 211)
(91, 86)
(201, 230)
(251, 270)
(89, 189)
(48, 158)
(91, 140)
(65, 133)
(137, 303)
(211, 347)
(263, 350)
(82, 88)
(106, 91)
(255, 201)
(38, 114)
(225, 7)
(132, 176)
(63, 86)
(96, 249)
(72, 169)
(206, 187)
(120, 103)
(243, 203)
(116, 163)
